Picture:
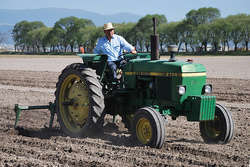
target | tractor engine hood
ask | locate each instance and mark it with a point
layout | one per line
(163, 68)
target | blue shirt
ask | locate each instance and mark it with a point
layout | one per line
(113, 48)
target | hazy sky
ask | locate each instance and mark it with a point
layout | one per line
(174, 10)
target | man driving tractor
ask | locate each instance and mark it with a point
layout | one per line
(112, 45)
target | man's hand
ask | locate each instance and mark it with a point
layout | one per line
(133, 51)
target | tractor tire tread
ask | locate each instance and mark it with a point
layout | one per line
(96, 97)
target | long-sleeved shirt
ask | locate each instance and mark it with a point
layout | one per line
(113, 48)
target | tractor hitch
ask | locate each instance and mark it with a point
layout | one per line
(51, 107)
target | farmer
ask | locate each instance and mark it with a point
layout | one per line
(112, 45)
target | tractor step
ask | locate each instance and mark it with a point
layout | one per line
(51, 107)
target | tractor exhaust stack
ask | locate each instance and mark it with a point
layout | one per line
(155, 43)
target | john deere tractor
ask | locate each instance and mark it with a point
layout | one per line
(148, 91)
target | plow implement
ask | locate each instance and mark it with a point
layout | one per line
(51, 107)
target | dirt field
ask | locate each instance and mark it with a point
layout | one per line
(31, 81)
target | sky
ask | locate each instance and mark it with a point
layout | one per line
(174, 10)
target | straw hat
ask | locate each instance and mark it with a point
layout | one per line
(108, 26)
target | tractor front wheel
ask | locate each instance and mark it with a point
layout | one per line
(79, 100)
(149, 127)
(220, 130)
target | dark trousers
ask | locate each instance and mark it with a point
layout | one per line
(113, 65)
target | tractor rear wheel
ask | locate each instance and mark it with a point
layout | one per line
(149, 127)
(221, 129)
(79, 100)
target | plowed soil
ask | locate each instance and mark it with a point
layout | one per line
(32, 144)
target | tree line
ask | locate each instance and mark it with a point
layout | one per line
(200, 28)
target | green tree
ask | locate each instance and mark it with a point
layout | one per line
(202, 16)
(162, 36)
(84, 37)
(172, 33)
(222, 29)
(186, 34)
(215, 34)
(53, 39)
(33, 26)
(144, 28)
(39, 38)
(245, 21)
(68, 29)
(33, 42)
(94, 35)
(237, 30)
(62, 29)
(203, 35)
(125, 30)
(20, 33)
(75, 32)
(199, 18)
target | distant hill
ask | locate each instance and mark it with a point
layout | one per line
(50, 15)
(9, 17)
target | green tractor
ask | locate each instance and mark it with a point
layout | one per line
(149, 90)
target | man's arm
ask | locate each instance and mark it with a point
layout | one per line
(127, 46)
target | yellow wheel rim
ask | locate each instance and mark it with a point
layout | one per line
(144, 130)
(73, 102)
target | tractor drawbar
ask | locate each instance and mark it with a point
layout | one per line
(51, 107)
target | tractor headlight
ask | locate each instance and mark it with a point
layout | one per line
(181, 90)
(207, 88)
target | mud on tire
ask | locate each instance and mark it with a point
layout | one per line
(79, 100)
